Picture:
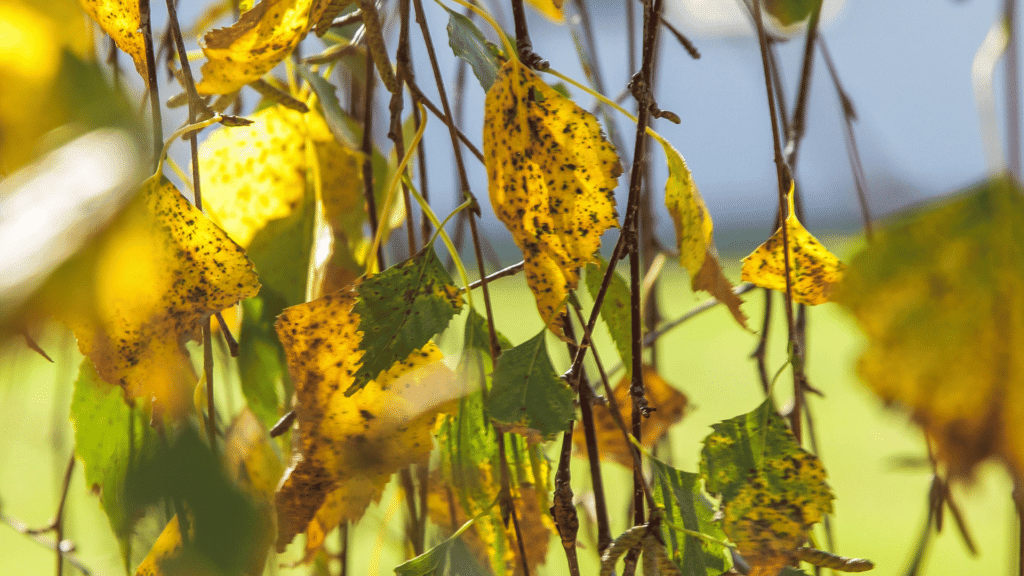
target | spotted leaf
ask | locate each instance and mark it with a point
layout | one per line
(694, 234)
(551, 177)
(251, 47)
(144, 289)
(351, 444)
(121, 21)
(814, 270)
(772, 491)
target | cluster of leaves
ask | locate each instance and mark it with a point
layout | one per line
(348, 353)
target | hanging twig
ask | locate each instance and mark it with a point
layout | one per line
(367, 148)
(1012, 57)
(443, 117)
(145, 26)
(395, 128)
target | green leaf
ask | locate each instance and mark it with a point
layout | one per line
(684, 504)
(400, 310)
(451, 557)
(527, 391)
(468, 43)
(280, 253)
(477, 337)
(614, 309)
(222, 519)
(111, 438)
(346, 130)
(772, 490)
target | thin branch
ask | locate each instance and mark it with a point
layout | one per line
(395, 130)
(504, 272)
(65, 548)
(783, 178)
(562, 508)
(145, 25)
(651, 337)
(367, 148)
(798, 126)
(58, 520)
(443, 117)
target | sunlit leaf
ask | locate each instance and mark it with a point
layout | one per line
(815, 271)
(251, 47)
(615, 310)
(552, 9)
(353, 443)
(400, 310)
(694, 234)
(255, 174)
(143, 290)
(683, 504)
(121, 21)
(110, 438)
(166, 549)
(468, 43)
(772, 490)
(940, 297)
(528, 396)
(551, 177)
(325, 11)
(669, 406)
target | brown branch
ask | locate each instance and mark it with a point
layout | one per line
(443, 117)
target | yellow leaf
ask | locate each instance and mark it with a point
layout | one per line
(352, 443)
(552, 9)
(251, 47)
(694, 234)
(144, 289)
(254, 174)
(121, 21)
(551, 177)
(669, 407)
(815, 271)
(940, 297)
(168, 546)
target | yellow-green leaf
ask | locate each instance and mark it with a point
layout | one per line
(144, 289)
(251, 47)
(258, 173)
(351, 443)
(940, 297)
(694, 234)
(121, 21)
(551, 177)
(814, 270)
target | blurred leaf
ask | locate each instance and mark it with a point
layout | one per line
(111, 439)
(669, 406)
(683, 503)
(223, 524)
(144, 288)
(615, 310)
(121, 21)
(345, 129)
(352, 442)
(528, 396)
(468, 43)
(694, 234)
(815, 271)
(325, 11)
(940, 297)
(790, 11)
(772, 490)
(166, 549)
(251, 47)
(551, 177)
(400, 310)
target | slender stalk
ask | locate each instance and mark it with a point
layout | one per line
(145, 25)
(562, 507)
(343, 548)
(509, 506)
(1013, 129)
(798, 125)
(412, 529)
(58, 520)
(651, 337)
(421, 158)
(397, 103)
(782, 177)
(367, 148)
(443, 117)
(1018, 502)
(63, 548)
(586, 397)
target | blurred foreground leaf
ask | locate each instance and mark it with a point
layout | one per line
(940, 297)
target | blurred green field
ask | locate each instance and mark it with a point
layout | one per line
(880, 509)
